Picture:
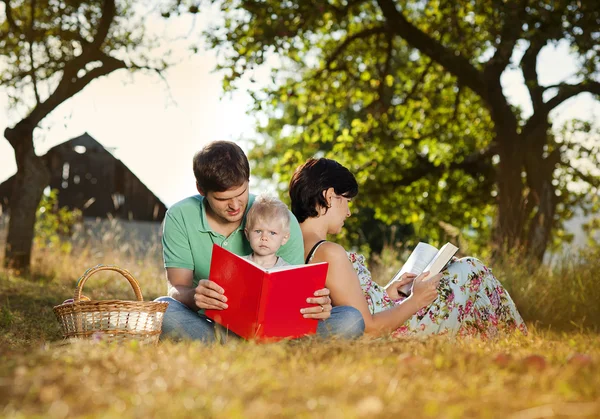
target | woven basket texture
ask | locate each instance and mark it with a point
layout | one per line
(111, 320)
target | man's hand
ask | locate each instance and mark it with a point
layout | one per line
(209, 295)
(393, 289)
(323, 310)
(424, 290)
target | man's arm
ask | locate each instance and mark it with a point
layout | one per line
(181, 286)
(207, 295)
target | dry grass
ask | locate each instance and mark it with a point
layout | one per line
(548, 373)
(382, 378)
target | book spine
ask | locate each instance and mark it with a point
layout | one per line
(262, 306)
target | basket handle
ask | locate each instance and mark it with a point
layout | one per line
(132, 281)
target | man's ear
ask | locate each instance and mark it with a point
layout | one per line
(200, 190)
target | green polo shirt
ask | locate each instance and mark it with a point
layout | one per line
(188, 239)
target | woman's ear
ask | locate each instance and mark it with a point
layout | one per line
(328, 195)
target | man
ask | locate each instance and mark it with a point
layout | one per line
(218, 215)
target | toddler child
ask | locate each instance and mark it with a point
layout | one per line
(267, 229)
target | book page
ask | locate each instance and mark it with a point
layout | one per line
(420, 257)
(418, 260)
(441, 259)
(288, 267)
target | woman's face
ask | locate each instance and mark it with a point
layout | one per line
(340, 210)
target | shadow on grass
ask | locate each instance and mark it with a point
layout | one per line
(26, 316)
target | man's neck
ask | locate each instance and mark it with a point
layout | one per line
(265, 261)
(220, 226)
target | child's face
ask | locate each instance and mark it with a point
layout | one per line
(266, 236)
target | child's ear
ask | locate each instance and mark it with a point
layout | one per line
(285, 239)
(246, 233)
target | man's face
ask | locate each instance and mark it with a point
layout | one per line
(266, 236)
(228, 206)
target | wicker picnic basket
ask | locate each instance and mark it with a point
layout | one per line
(111, 320)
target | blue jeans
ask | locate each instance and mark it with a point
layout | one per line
(181, 322)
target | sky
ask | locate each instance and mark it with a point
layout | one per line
(155, 130)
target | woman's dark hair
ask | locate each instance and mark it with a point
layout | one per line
(311, 179)
(221, 165)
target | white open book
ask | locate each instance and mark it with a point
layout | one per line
(423, 258)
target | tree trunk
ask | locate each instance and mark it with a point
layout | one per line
(540, 226)
(542, 194)
(31, 179)
(509, 222)
(526, 205)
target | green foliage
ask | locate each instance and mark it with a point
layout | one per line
(413, 114)
(6, 316)
(39, 45)
(54, 225)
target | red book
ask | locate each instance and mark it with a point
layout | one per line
(264, 304)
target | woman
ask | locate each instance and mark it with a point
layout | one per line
(465, 299)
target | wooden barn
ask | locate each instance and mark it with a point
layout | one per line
(90, 178)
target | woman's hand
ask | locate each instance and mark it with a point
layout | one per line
(424, 290)
(393, 289)
(323, 310)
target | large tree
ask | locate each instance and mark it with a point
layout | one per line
(409, 95)
(51, 50)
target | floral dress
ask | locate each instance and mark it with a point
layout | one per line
(471, 302)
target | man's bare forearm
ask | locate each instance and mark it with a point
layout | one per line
(184, 294)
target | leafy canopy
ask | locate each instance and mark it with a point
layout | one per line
(420, 137)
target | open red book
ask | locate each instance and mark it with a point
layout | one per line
(264, 304)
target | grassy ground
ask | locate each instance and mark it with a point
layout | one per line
(555, 371)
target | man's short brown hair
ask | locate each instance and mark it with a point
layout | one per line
(220, 165)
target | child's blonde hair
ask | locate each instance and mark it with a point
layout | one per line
(266, 208)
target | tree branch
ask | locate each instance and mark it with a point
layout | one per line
(9, 18)
(349, 39)
(509, 35)
(476, 164)
(591, 179)
(565, 91)
(460, 67)
(386, 70)
(457, 102)
(70, 86)
(109, 11)
(341, 11)
(31, 40)
(91, 50)
(529, 69)
(412, 92)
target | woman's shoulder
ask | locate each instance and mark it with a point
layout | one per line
(329, 251)
(339, 250)
(331, 247)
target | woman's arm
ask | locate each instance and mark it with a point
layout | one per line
(345, 289)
